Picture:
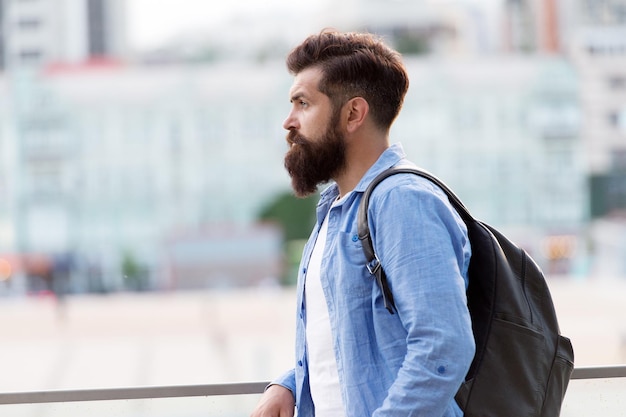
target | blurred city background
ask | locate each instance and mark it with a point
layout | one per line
(148, 234)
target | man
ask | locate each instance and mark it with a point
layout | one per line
(354, 358)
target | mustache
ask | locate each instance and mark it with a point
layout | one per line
(295, 138)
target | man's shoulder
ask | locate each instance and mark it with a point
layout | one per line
(405, 184)
(407, 192)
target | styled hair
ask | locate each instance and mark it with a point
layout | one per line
(355, 65)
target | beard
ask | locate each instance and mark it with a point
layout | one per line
(313, 162)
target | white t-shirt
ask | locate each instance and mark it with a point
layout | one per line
(323, 376)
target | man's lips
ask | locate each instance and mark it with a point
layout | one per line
(294, 139)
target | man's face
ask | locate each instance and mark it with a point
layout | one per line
(316, 145)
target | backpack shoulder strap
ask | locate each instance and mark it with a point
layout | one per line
(373, 263)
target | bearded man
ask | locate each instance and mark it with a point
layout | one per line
(354, 358)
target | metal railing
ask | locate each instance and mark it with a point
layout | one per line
(244, 388)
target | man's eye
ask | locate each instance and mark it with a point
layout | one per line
(303, 103)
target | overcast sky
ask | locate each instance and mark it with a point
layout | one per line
(150, 22)
(153, 22)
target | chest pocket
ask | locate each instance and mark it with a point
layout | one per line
(346, 266)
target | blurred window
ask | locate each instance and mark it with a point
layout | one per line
(607, 12)
(29, 23)
(96, 18)
(30, 55)
(618, 158)
(46, 180)
(617, 82)
(617, 119)
(613, 118)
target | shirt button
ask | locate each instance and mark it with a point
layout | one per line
(304, 270)
(355, 238)
(299, 363)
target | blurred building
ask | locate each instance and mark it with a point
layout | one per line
(115, 159)
(119, 158)
(598, 52)
(504, 133)
(35, 147)
(36, 33)
(109, 161)
(536, 26)
(222, 256)
(454, 28)
(591, 34)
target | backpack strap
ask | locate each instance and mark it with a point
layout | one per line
(373, 263)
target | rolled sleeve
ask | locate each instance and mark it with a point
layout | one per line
(287, 380)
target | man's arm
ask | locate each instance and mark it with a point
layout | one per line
(277, 401)
(424, 250)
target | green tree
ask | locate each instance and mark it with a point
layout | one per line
(295, 215)
(408, 44)
(133, 271)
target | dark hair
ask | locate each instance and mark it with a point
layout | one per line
(355, 65)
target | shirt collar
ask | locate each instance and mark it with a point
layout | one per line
(390, 157)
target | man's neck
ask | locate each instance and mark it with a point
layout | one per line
(359, 159)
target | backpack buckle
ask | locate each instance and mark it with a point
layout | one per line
(374, 265)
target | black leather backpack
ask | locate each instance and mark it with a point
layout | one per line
(522, 364)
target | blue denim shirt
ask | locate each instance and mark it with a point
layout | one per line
(406, 364)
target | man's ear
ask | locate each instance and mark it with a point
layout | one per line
(356, 111)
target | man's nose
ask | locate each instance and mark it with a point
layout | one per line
(290, 122)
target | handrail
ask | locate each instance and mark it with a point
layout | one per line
(243, 388)
(131, 393)
(591, 372)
